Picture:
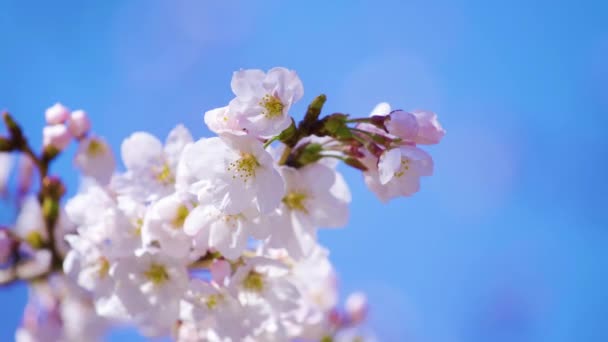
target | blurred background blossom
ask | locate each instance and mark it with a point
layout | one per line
(507, 242)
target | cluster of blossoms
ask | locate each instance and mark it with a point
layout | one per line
(212, 239)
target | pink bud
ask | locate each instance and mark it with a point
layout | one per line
(402, 124)
(57, 136)
(356, 307)
(430, 131)
(79, 123)
(56, 114)
(220, 270)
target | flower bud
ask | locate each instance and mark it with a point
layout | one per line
(79, 124)
(356, 307)
(57, 136)
(56, 114)
(430, 131)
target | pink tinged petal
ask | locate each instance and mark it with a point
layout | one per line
(407, 186)
(220, 120)
(422, 162)
(57, 136)
(79, 123)
(141, 151)
(403, 125)
(247, 83)
(356, 307)
(389, 163)
(381, 109)
(56, 114)
(288, 81)
(430, 130)
(220, 271)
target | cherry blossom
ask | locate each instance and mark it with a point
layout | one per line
(206, 239)
(233, 172)
(263, 99)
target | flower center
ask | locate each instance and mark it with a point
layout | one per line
(295, 201)
(254, 282)
(273, 107)
(139, 223)
(104, 267)
(95, 148)
(244, 168)
(34, 239)
(404, 168)
(180, 216)
(212, 301)
(157, 274)
(165, 176)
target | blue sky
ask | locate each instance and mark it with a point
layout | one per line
(506, 242)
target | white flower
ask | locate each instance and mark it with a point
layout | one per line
(95, 159)
(163, 226)
(214, 310)
(233, 173)
(150, 287)
(316, 196)
(151, 168)
(262, 280)
(30, 223)
(398, 172)
(88, 267)
(316, 280)
(226, 233)
(263, 99)
(112, 225)
(261, 284)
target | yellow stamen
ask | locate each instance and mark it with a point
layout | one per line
(180, 216)
(95, 148)
(405, 166)
(165, 176)
(295, 201)
(157, 274)
(244, 167)
(254, 282)
(273, 107)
